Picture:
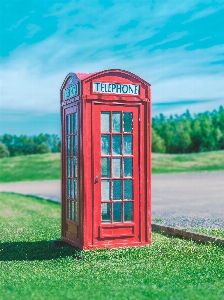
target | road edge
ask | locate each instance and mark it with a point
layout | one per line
(186, 234)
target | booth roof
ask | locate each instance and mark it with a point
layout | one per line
(83, 76)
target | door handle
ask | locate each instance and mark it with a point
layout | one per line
(96, 179)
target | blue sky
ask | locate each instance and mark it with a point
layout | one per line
(177, 46)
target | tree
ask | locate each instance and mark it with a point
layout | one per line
(4, 152)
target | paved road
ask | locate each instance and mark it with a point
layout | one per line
(184, 199)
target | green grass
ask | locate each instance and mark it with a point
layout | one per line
(47, 166)
(31, 269)
(217, 232)
(194, 162)
(30, 167)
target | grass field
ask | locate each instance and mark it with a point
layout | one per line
(47, 166)
(32, 269)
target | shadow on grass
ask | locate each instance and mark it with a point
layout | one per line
(41, 250)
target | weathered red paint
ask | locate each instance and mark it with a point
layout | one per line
(85, 229)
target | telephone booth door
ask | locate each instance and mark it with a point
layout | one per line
(116, 161)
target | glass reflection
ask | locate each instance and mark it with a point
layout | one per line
(68, 146)
(105, 189)
(105, 212)
(105, 167)
(128, 122)
(116, 144)
(116, 122)
(117, 189)
(128, 144)
(116, 168)
(68, 124)
(128, 190)
(105, 144)
(105, 122)
(117, 212)
(68, 168)
(128, 167)
(128, 211)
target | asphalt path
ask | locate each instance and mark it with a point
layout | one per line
(181, 199)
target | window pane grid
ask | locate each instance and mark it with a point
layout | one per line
(72, 167)
(117, 167)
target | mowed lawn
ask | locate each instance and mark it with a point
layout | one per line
(47, 166)
(31, 268)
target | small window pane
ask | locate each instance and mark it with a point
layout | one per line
(105, 122)
(116, 142)
(69, 188)
(117, 213)
(116, 168)
(68, 146)
(105, 167)
(127, 122)
(76, 211)
(73, 211)
(128, 211)
(69, 210)
(69, 167)
(128, 144)
(75, 167)
(105, 189)
(128, 190)
(75, 190)
(105, 144)
(117, 189)
(116, 122)
(128, 167)
(105, 210)
(75, 144)
(75, 123)
(68, 124)
(72, 190)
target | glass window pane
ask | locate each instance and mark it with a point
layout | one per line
(68, 146)
(72, 167)
(75, 161)
(68, 124)
(71, 145)
(116, 142)
(116, 122)
(69, 188)
(128, 211)
(105, 144)
(69, 167)
(75, 123)
(128, 144)
(105, 167)
(116, 168)
(105, 189)
(69, 210)
(105, 122)
(76, 211)
(105, 210)
(75, 190)
(128, 167)
(128, 190)
(73, 211)
(117, 189)
(127, 122)
(72, 190)
(75, 144)
(117, 212)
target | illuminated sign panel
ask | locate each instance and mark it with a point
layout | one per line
(116, 88)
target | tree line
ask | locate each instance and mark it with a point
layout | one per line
(175, 134)
(185, 133)
(12, 145)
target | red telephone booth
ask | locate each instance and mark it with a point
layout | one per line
(106, 160)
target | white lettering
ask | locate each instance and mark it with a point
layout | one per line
(116, 88)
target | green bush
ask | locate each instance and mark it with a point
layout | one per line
(4, 152)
